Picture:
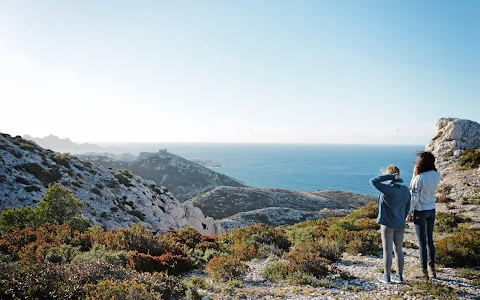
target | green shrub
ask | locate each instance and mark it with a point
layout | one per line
(122, 290)
(307, 261)
(137, 214)
(61, 255)
(32, 188)
(460, 250)
(123, 177)
(448, 222)
(27, 147)
(47, 177)
(96, 191)
(99, 253)
(470, 159)
(62, 159)
(246, 243)
(226, 268)
(276, 271)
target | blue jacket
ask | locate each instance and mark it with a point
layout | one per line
(394, 202)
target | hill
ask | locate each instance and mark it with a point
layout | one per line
(113, 199)
(184, 178)
(55, 143)
(223, 202)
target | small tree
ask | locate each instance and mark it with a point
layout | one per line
(12, 218)
(59, 205)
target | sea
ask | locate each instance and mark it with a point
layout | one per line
(302, 167)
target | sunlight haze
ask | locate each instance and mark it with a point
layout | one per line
(348, 72)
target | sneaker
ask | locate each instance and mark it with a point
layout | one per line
(431, 272)
(397, 278)
(383, 279)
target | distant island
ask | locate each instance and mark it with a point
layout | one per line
(207, 163)
(55, 143)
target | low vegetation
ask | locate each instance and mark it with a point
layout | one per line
(50, 250)
(470, 159)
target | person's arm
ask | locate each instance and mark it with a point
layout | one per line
(377, 182)
(407, 206)
(417, 185)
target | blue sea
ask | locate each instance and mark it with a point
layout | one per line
(302, 167)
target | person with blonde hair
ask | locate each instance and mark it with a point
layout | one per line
(393, 208)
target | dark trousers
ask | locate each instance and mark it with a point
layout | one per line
(424, 221)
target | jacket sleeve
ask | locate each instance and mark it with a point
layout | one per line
(377, 182)
(416, 191)
(408, 206)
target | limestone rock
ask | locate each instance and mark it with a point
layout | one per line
(112, 199)
(454, 134)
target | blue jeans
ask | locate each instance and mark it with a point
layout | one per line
(424, 221)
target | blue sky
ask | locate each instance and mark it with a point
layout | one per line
(238, 71)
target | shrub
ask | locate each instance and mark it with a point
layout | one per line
(59, 205)
(448, 222)
(12, 218)
(123, 177)
(137, 214)
(123, 290)
(226, 268)
(308, 263)
(32, 188)
(245, 243)
(364, 241)
(443, 199)
(27, 147)
(276, 271)
(369, 211)
(96, 191)
(166, 262)
(47, 177)
(61, 255)
(62, 159)
(22, 180)
(99, 253)
(470, 159)
(460, 250)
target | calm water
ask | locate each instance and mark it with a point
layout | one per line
(297, 167)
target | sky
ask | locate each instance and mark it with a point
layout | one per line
(349, 72)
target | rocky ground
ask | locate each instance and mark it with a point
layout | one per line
(362, 285)
(226, 201)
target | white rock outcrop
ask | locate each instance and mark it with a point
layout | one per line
(112, 200)
(453, 135)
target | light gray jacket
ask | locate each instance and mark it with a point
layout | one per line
(424, 187)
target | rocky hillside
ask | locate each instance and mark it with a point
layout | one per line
(460, 181)
(185, 179)
(276, 216)
(113, 199)
(224, 202)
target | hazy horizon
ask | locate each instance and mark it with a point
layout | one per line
(315, 72)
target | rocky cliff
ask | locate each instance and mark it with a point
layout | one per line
(290, 206)
(113, 199)
(459, 185)
(184, 178)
